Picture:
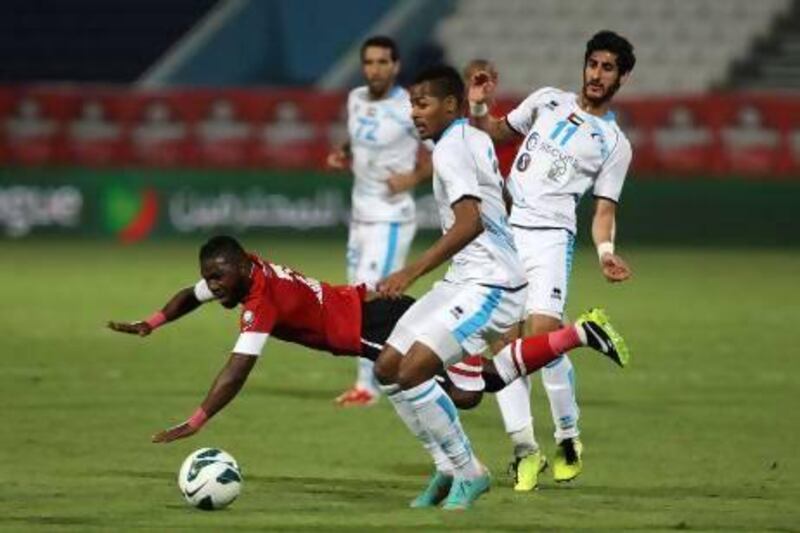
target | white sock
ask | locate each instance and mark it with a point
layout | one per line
(406, 412)
(515, 408)
(504, 363)
(365, 378)
(559, 382)
(439, 417)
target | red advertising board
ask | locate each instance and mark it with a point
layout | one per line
(719, 134)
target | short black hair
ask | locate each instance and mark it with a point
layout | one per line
(444, 80)
(614, 43)
(381, 41)
(222, 246)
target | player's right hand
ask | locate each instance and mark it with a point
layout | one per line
(481, 88)
(140, 328)
(181, 431)
(337, 159)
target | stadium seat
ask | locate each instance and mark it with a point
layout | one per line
(536, 42)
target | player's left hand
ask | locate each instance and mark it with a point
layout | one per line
(181, 431)
(615, 269)
(140, 328)
(394, 285)
(400, 182)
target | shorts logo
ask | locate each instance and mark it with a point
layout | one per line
(457, 312)
(556, 294)
(247, 318)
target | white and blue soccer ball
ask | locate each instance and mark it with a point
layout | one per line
(210, 479)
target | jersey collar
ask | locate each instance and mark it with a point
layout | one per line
(456, 122)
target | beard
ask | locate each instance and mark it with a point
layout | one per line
(606, 97)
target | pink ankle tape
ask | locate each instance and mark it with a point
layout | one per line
(197, 420)
(156, 320)
(564, 339)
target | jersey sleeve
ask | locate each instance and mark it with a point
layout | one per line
(256, 323)
(522, 117)
(612, 174)
(202, 292)
(457, 171)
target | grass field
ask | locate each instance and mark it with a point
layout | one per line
(699, 433)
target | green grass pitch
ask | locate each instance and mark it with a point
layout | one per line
(699, 433)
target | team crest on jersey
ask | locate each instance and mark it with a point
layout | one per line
(556, 294)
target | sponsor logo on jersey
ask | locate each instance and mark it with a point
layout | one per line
(532, 141)
(523, 161)
(557, 169)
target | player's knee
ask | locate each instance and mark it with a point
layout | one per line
(410, 374)
(386, 366)
(463, 399)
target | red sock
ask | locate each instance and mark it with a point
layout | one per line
(532, 353)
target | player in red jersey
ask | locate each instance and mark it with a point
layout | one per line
(278, 301)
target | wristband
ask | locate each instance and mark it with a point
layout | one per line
(604, 248)
(156, 320)
(478, 110)
(197, 420)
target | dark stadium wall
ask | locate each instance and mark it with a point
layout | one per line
(277, 42)
(134, 204)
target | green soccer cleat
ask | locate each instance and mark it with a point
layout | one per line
(464, 492)
(601, 336)
(567, 463)
(436, 491)
(526, 471)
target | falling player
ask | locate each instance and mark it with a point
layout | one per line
(571, 143)
(343, 320)
(381, 151)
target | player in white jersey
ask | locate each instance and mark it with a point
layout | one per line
(479, 300)
(570, 143)
(382, 152)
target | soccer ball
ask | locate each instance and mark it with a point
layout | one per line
(210, 479)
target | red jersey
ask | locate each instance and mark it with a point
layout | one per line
(298, 309)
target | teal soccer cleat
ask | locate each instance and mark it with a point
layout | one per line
(465, 491)
(436, 491)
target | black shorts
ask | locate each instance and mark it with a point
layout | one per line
(378, 318)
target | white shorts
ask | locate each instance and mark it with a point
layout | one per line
(376, 249)
(456, 320)
(547, 257)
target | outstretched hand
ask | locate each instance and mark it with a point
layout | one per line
(181, 431)
(481, 88)
(615, 269)
(140, 328)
